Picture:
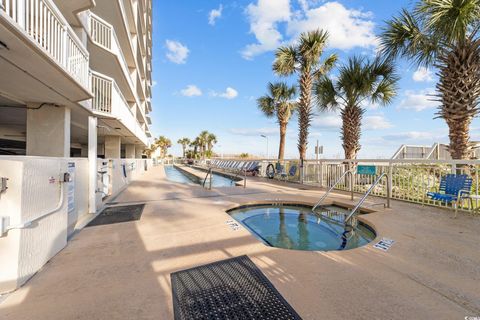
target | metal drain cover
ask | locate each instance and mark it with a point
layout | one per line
(228, 289)
(118, 214)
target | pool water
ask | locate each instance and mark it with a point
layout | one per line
(176, 175)
(298, 228)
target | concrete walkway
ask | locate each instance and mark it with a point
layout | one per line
(122, 271)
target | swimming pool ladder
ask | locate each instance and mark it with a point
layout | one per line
(362, 200)
(351, 172)
(209, 174)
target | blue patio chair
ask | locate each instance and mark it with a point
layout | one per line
(454, 188)
(291, 172)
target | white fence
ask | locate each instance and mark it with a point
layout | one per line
(44, 23)
(409, 180)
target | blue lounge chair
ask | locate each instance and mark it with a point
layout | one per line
(453, 190)
(291, 172)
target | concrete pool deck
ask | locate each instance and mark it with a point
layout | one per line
(122, 271)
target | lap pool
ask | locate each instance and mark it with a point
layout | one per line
(177, 175)
(297, 227)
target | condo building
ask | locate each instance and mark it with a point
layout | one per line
(75, 99)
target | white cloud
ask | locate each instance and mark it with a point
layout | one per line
(214, 15)
(376, 122)
(327, 121)
(348, 28)
(154, 83)
(412, 136)
(418, 100)
(264, 18)
(177, 52)
(422, 75)
(254, 132)
(229, 93)
(191, 91)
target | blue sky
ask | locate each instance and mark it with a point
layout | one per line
(212, 59)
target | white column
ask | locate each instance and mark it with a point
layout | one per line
(48, 131)
(130, 151)
(138, 151)
(92, 164)
(112, 147)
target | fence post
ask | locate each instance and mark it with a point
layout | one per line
(320, 177)
(389, 183)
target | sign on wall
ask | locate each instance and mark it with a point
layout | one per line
(71, 187)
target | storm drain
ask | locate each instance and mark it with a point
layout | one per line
(118, 214)
(228, 289)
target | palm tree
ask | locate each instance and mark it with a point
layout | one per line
(163, 143)
(203, 138)
(211, 140)
(184, 142)
(359, 81)
(195, 144)
(303, 59)
(278, 103)
(443, 34)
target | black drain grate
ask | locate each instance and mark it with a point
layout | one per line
(118, 214)
(228, 289)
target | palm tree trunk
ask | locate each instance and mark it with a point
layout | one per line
(304, 113)
(351, 130)
(459, 89)
(283, 133)
(459, 134)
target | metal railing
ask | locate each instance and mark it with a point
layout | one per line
(410, 180)
(209, 174)
(365, 196)
(47, 27)
(325, 195)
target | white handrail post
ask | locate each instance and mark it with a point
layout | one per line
(21, 14)
(389, 183)
(65, 48)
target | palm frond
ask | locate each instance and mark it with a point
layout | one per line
(285, 61)
(449, 18)
(325, 94)
(405, 36)
(311, 46)
(266, 104)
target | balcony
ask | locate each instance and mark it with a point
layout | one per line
(38, 36)
(105, 44)
(109, 101)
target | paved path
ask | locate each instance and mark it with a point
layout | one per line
(122, 271)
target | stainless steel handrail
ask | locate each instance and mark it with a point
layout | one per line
(333, 187)
(368, 193)
(209, 173)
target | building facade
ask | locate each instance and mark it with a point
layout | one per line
(63, 61)
(75, 99)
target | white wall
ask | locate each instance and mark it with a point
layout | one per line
(33, 190)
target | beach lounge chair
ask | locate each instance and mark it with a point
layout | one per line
(291, 172)
(453, 190)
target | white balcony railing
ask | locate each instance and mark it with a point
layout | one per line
(109, 99)
(44, 23)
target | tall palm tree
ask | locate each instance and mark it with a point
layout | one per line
(443, 34)
(195, 144)
(303, 58)
(203, 139)
(279, 103)
(359, 81)
(211, 140)
(184, 142)
(163, 143)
